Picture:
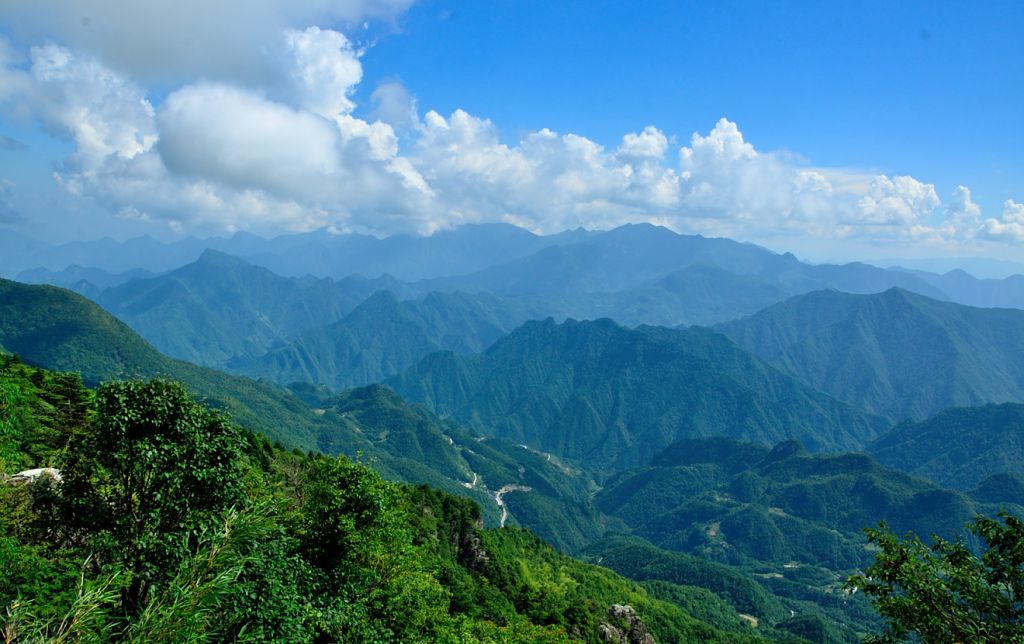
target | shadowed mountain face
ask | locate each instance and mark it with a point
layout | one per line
(63, 331)
(221, 307)
(897, 354)
(958, 447)
(384, 336)
(613, 397)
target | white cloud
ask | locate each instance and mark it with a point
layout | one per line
(325, 70)
(284, 149)
(236, 138)
(547, 181)
(180, 41)
(1010, 228)
(102, 112)
(394, 105)
(897, 202)
(218, 156)
(649, 145)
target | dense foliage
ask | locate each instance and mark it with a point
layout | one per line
(946, 593)
(170, 523)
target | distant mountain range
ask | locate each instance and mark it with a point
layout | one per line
(896, 354)
(384, 336)
(227, 312)
(507, 260)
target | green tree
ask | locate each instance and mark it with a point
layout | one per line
(356, 530)
(944, 592)
(155, 469)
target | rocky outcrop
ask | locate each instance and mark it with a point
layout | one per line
(624, 626)
(31, 476)
(469, 548)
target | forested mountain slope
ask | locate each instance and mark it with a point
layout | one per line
(613, 397)
(897, 354)
(237, 540)
(959, 447)
(384, 336)
(61, 330)
(220, 307)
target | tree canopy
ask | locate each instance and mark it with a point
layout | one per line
(944, 592)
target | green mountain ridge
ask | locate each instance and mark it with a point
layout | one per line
(779, 505)
(57, 329)
(897, 354)
(960, 447)
(384, 336)
(220, 307)
(285, 547)
(613, 397)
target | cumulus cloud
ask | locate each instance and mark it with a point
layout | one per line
(324, 68)
(897, 201)
(1009, 228)
(547, 181)
(285, 147)
(239, 139)
(102, 112)
(179, 41)
(219, 156)
(395, 105)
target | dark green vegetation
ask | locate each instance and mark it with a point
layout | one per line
(172, 523)
(220, 307)
(946, 593)
(746, 504)
(411, 444)
(960, 448)
(788, 519)
(614, 397)
(896, 354)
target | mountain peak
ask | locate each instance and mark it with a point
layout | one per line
(786, 450)
(212, 257)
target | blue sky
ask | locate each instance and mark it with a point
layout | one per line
(851, 129)
(927, 88)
